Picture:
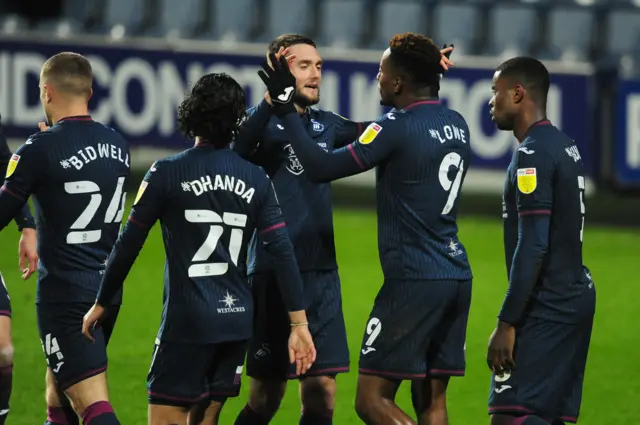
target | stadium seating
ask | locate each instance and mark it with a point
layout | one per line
(567, 30)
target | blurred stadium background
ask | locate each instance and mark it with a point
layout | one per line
(145, 53)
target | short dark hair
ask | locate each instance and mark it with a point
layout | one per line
(214, 110)
(288, 40)
(418, 57)
(70, 73)
(528, 72)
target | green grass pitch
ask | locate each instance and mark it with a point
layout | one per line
(612, 387)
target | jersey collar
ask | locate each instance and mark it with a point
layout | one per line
(540, 123)
(76, 118)
(433, 101)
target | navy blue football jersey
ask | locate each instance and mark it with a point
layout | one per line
(23, 218)
(421, 155)
(546, 177)
(306, 205)
(75, 172)
(209, 203)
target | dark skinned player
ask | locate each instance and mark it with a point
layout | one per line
(538, 351)
(421, 151)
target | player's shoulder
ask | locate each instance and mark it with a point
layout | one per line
(37, 142)
(326, 117)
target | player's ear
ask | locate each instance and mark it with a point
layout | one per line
(518, 93)
(90, 93)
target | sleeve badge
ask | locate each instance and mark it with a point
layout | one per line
(141, 190)
(370, 133)
(527, 180)
(13, 163)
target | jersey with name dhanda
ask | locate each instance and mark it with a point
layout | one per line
(209, 202)
(422, 154)
(306, 205)
(76, 172)
(546, 176)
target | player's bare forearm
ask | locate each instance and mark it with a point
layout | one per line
(10, 206)
(251, 130)
(121, 259)
(319, 166)
(298, 318)
(533, 242)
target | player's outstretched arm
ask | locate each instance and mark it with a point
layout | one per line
(251, 131)
(320, 166)
(147, 209)
(273, 233)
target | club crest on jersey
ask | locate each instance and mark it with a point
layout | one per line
(13, 163)
(527, 180)
(294, 166)
(317, 126)
(370, 133)
(141, 190)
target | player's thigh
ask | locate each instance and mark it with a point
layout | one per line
(178, 374)
(569, 409)
(326, 324)
(544, 356)
(166, 415)
(267, 354)
(446, 352)
(206, 413)
(6, 344)
(70, 355)
(5, 302)
(401, 325)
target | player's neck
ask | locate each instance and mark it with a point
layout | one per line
(526, 121)
(422, 96)
(69, 111)
(300, 109)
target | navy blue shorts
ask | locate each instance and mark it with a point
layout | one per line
(268, 356)
(550, 359)
(184, 374)
(70, 355)
(417, 329)
(5, 303)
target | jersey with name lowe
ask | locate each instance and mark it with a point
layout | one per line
(421, 154)
(546, 177)
(209, 202)
(306, 205)
(76, 172)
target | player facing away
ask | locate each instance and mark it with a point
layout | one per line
(421, 151)
(538, 351)
(209, 202)
(307, 209)
(75, 171)
(28, 263)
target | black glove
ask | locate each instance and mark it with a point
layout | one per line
(280, 83)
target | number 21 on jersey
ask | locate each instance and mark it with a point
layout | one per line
(236, 221)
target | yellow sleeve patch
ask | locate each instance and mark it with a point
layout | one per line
(13, 163)
(370, 133)
(527, 180)
(141, 190)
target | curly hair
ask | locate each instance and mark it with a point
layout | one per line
(418, 57)
(214, 110)
(288, 40)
